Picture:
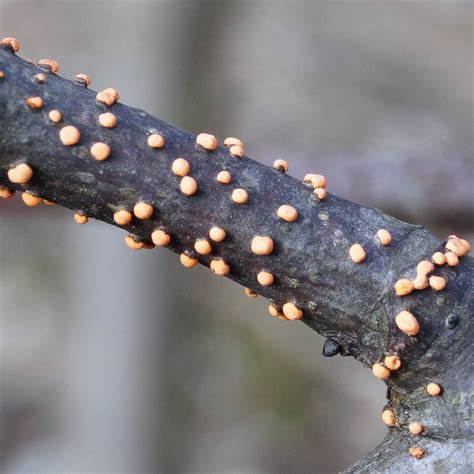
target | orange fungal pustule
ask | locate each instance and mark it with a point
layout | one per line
(380, 371)
(407, 323)
(6, 193)
(30, 200)
(55, 116)
(439, 258)
(415, 428)
(287, 213)
(188, 185)
(265, 278)
(39, 78)
(316, 180)
(113, 92)
(100, 151)
(457, 245)
(143, 210)
(392, 362)
(82, 79)
(384, 236)
(416, 452)
(280, 165)
(250, 293)
(108, 120)
(133, 243)
(20, 174)
(207, 141)
(240, 196)
(155, 140)
(278, 314)
(219, 267)
(404, 287)
(320, 193)
(224, 177)
(467, 246)
(202, 246)
(108, 96)
(69, 135)
(50, 65)
(292, 312)
(357, 253)
(237, 150)
(80, 218)
(34, 102)
(187, 260)
(433, 389)
(122, 217)
(424, 267)
(217, 234)
(437, 283)
(388, 417)
(262, 245)
(452, 259)
(180, 167)
(274, 311)
(12, 43)
(420, 282)
(231, 141)
(160, 238)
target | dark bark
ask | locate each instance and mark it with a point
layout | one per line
(352, 304)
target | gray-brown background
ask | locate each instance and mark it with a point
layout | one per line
(120, 361)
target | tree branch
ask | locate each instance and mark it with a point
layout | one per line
(354, 304)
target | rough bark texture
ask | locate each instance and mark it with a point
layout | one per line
(353, 304)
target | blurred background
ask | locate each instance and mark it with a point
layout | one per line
(120, 361)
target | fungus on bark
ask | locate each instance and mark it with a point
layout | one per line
(357, 253)
(287, 213)
(30, 200)
(80, 218)
(188, 185)
(240, 196)
(207, 141)
(384, 237)
(155, 140)
(108, 120)
(224, 177)
(217, 234)
(353, 305)
(20, 174)
(180, 167)
(100, 151)
(160, 238)
(55, 116)
(122, 217)
(388, 417)
(69, 135)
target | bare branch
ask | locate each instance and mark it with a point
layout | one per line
(99, 165)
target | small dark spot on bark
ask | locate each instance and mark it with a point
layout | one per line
(451, 321)
(331, 348)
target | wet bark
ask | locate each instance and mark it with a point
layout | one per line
(352, 304)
